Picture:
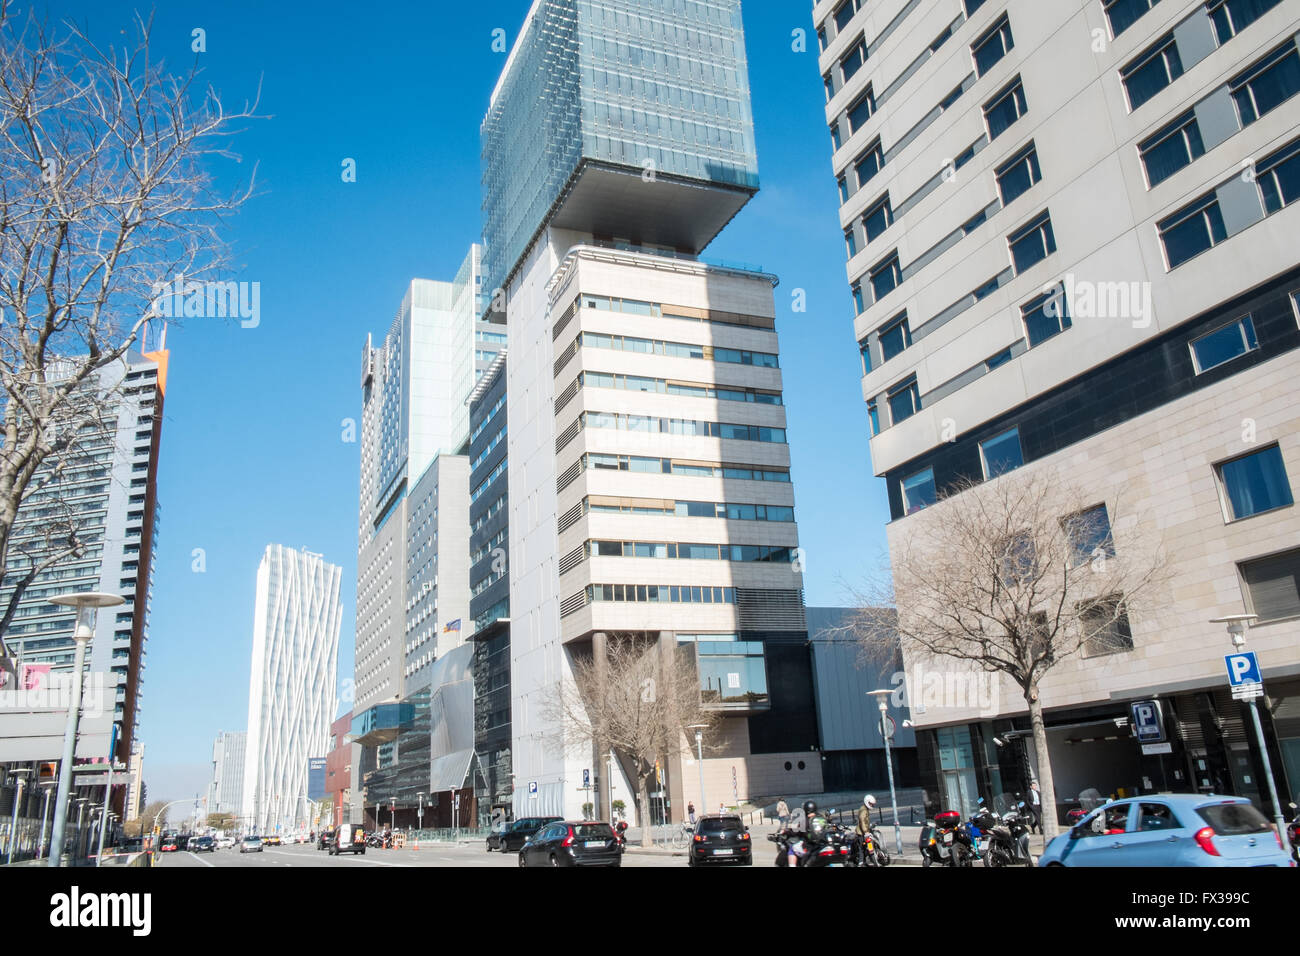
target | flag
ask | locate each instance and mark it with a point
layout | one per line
(451, 626)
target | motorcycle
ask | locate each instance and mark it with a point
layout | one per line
(1008, 833)
(829, 850)
(869, 849)
(945, 841)
(1293, 833)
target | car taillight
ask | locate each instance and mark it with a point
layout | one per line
(699, 838)
(827, 852)
(568, 840)
(1205, 840)
(744, 836)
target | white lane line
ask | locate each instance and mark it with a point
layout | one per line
(204, 862)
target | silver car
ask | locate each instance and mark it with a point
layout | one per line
(250, 844)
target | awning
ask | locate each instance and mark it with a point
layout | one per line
(449, 772)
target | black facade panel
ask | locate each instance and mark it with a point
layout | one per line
(791, 723)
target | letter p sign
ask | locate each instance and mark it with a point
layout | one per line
(1243, 669)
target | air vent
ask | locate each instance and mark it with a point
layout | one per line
(765, 609)
(568, 435)
(566, 396)
(573, 559)
(564, 320)
(572, 604)
(562, 359)
(568, 476)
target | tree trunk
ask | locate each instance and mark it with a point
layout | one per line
(643, 800)
(1046, 788)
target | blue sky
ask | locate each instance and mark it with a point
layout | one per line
(252, 448)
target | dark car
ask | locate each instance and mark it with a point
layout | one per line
(577, 843)
(720, 838)
(203, 844)
(325, 840)
(516, 834)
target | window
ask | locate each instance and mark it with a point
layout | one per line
(844, 14)
(878, 218)
(862, 110)
(1268, 84)
(1255, 483)
(864, 347)
(1223, 345)
(972, 6)
(850, 242)
(1019, 560)
(1272, 586)
(859, 304)
(1005, 108)
(1002, 358)
(873, 413)
(1192, 230)
(843, 185)
(853, 60)
(992, 45)
(1124, 13)
(1106, 628)
(1278, 177)
(919, 491)
(904, 401)
(1230, 17)
(895, 337)
(1151, 72)
(835, 136)
(885, 277)
(1045, 315)
(1018, 174)
(1033, 243)
(869, 163)
(1001, 453)
(1089, 535)
(1171, 148)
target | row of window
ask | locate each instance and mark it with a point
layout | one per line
(640, 383)
(482, 456)
(660, 593)
(682, 426)
(690, 552)
(627, 343)
(483, 425)
(657, 310)
(697, 509)
(497, 472)
(687, 469)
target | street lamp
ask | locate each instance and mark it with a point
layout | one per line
(1237, 624)
(86, 603)
(21, 774)
(882, 698)
(48, 787)
(699, 756)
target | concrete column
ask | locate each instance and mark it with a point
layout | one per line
(600, 750)
(676, 771)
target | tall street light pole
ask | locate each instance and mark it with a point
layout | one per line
(85, 602)
(1237, 624)
(21, 774)
(882, 698)
(699, 759)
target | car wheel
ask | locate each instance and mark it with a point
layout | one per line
(522, 864)
(554, 861)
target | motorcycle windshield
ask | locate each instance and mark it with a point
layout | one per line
(1004, 802)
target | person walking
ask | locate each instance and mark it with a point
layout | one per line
(1035, 807)
(690, 812)
(782, 812)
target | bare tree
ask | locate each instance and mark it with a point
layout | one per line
(640, 701)
(1015, 576)
(105, 195)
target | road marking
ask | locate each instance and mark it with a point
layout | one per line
(204, 862)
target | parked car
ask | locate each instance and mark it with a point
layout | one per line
(250, 844)
(720, 838)
(348, 839)
(514, 835)
(324, 839)
(577, 843)
(1170, 829)
(203, 844)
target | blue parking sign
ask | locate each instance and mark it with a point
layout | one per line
(1148, 722)
(1243, 668)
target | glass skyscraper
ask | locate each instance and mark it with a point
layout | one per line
(657, 89)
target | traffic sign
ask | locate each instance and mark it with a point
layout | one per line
(532, 789)
(1148, 722)
(1244, 676)
(586, 778)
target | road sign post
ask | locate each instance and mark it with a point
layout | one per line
(1247, 684)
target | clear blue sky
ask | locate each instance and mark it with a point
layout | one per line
(251, 447)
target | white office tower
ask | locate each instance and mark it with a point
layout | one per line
(226, 791)
(292, 694)
(415, 407)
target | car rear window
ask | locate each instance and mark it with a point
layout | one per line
(718, 824)
(1234, 819)
(592, 831)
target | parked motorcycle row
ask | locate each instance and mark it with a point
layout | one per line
(991, 837)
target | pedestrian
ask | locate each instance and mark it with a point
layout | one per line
(1035, 807)
(782, 812)
(690, 811)
(722, 808)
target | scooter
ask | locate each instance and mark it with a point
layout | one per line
(944, 842)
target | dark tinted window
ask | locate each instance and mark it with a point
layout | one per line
(1234, 819)
(593, 831)
(718, 824)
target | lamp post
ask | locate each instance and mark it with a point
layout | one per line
(48, 787)
(1237, 624)
(699, 758)
(86, 603)
(882, 698)
(21, 774)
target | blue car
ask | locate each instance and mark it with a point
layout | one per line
(1170, 829)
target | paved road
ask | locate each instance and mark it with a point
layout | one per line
(440, 855)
